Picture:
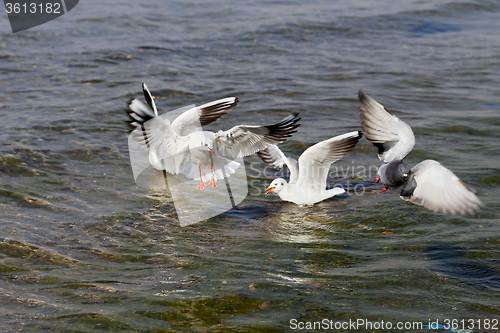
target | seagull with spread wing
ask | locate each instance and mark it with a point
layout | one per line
(307, 184)
(428, 183)
(183, 147)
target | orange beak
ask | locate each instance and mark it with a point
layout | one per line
(213, 151)
(270, 189)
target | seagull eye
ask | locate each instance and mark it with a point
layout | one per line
(281, 184)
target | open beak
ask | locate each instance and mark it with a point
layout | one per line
(270, 189)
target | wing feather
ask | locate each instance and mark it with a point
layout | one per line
(438, 189)
(315, 162)
(194, 119)
(167, 150)
(393, 137)
(273, 156)
(245, 140)
(149, 98)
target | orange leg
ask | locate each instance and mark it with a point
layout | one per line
(212, 182)
(201, 184)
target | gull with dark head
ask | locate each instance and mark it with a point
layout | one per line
(428, 183)
(183, 147)
(307, 184)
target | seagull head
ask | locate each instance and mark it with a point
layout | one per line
(276, 185)
(208, 144)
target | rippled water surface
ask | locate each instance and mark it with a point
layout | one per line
(84, 249)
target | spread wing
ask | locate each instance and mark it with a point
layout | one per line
(315, 162)
(149, 98)
(393, 137)
(438, 189)
(167, 150)
(193, 119)
(245, 140)
(273, 156)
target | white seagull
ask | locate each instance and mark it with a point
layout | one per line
(183, 147)
(428, 183)
(307, 184)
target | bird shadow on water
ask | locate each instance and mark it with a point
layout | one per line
(454, 262)
(429, 28)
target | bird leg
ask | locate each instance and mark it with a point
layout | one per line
(384, 189)
(201, 184)
(212, 182)
(377, 179)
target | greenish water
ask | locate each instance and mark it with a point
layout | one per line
(84, 249)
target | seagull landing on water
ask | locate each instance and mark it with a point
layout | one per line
(307, 184)
(183, 147)
(428, 183)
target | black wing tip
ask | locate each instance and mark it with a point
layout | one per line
(129, 112)
(145, 90)
(212, 113)
(280, 131)
(222, 105)
(348, 142)
(353, 140)
(291, 123)
(147, 95)
(368, 102)
(365, 99)
(357, 137)
(362, 96)
(291, 120)
(131, 101)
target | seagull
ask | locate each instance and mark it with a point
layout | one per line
(428, 183)
(307, 184)
(183, 147)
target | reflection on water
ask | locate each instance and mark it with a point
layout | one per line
(83, 248)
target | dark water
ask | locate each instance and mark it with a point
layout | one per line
(83, 249)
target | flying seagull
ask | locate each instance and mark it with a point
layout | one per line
(307, 184)
(183, 147)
